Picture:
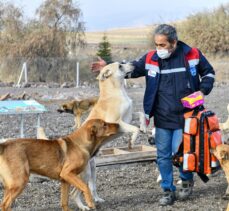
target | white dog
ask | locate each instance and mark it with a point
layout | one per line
(113, 105)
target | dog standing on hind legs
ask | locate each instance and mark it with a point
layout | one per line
(62, 159)
(113, 105)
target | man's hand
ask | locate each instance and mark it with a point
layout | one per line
(98, 65)
(202, 94)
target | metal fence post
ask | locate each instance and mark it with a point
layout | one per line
(77, 74)
(23, 70)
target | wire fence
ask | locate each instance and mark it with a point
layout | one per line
(60, 70)
(57, 70)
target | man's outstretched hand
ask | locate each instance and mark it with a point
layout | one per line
(98, 65)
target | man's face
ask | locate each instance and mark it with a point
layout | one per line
(161, 42)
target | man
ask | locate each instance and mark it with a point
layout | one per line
(172, 72)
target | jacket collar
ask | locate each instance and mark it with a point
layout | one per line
(186, 48)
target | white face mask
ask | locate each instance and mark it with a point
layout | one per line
(163, 53)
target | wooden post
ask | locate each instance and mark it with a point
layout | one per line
(139, 153)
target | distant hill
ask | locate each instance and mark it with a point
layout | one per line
(122, 36)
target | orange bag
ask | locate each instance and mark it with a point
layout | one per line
(189, 162)
(191, 125)
(201, 133)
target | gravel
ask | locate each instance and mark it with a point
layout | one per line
(124, 187)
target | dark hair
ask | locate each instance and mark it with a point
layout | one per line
(169, 31)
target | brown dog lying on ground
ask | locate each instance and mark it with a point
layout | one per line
(78, 108)
(62, 159)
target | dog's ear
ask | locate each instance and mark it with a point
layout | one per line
(64, 106)
(62, 109)
(224, 155)
(97, 130)
(93, 130)
(104, 75)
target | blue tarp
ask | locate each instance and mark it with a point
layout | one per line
(21, 107)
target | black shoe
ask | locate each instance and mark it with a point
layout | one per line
(168, 198)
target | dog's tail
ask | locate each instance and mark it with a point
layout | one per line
(41, 133)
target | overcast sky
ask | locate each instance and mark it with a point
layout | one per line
(101, 15)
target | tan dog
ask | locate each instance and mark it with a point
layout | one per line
(78, 108)
(113, 105)
(222, 154)
(63, 159)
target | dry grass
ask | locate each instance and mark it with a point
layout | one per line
(123, 36)
(208, 31)
(221, 67)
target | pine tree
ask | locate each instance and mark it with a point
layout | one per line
(104, 50)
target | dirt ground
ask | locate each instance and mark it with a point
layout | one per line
(124, 187)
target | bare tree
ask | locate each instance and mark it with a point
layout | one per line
(11, 29)
(62, 18)
(44, 41)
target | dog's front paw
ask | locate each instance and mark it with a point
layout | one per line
(83, 208)
(225, 196)
(143, 128)
(91, 205)
(99, 200)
